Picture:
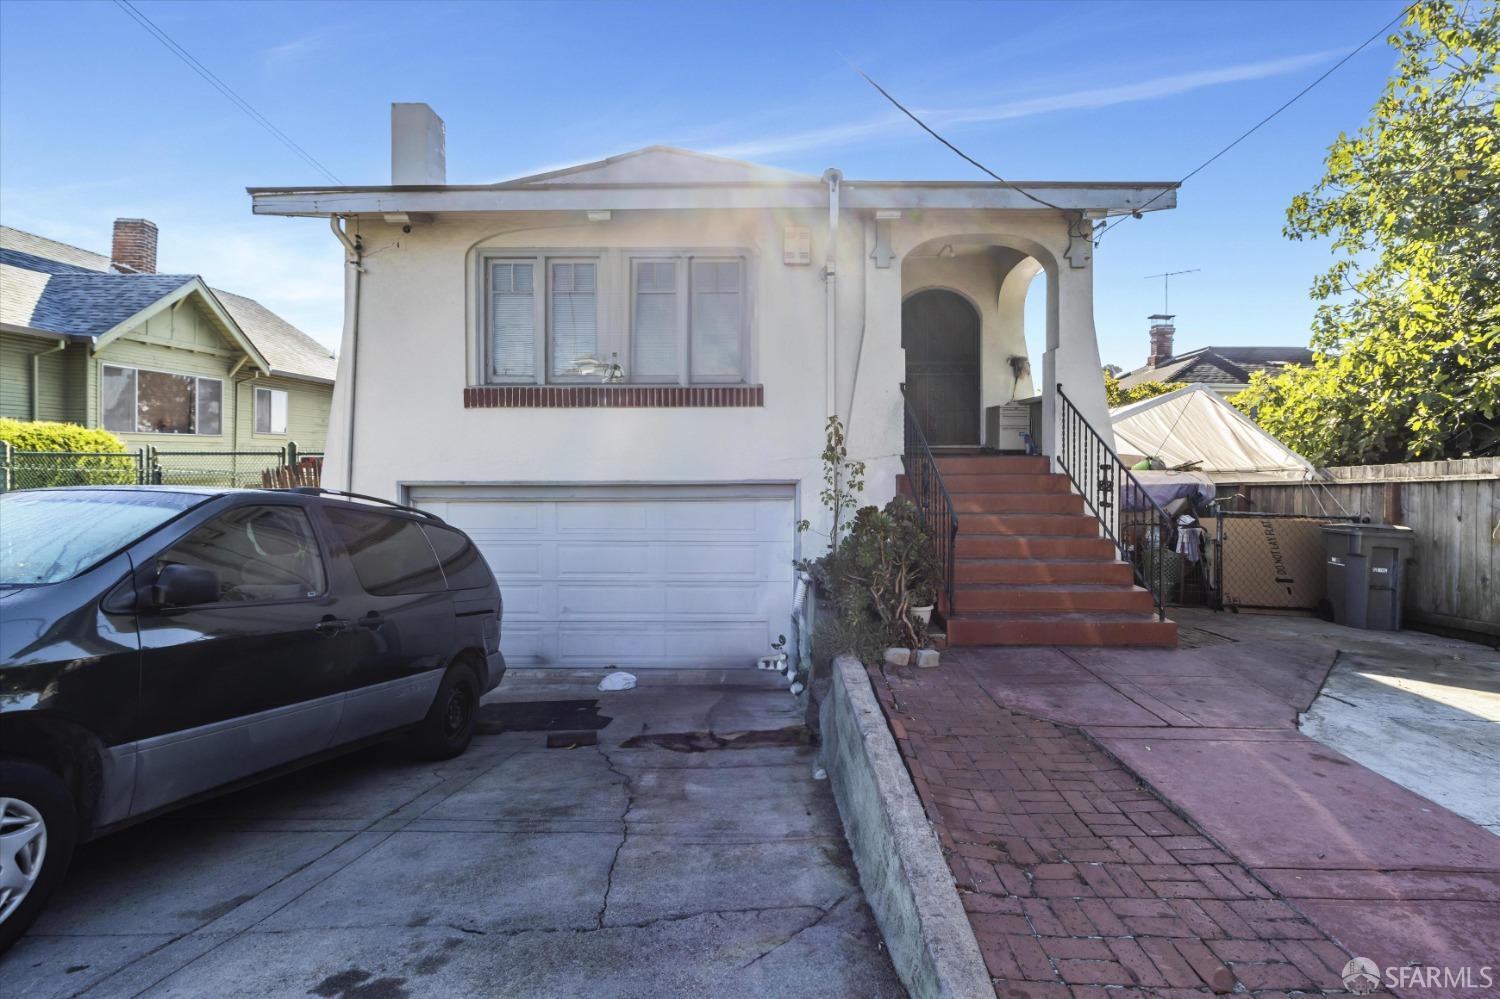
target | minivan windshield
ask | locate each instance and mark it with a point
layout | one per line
(47, 536)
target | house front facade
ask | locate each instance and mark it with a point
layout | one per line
(617, 377)
(160, 360)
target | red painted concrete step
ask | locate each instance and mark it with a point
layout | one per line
(1037, 570)
(1060, 598)
(993, 464)
(1016, 503)
(973, 544)
(1003, 482)
(1054, 524)
(1061, 629)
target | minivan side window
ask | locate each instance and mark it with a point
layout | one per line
(259, 553)
(462, 564)
(391, 555)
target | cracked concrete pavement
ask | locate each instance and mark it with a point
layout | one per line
(635, 867)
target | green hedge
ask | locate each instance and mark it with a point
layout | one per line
(79, 456)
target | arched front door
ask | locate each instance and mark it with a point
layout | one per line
(940, 331)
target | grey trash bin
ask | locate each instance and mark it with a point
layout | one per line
(1367, 573)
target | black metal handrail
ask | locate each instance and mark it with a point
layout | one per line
(1137, 525)
(934, 505)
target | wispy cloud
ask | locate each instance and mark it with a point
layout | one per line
(1157, 88)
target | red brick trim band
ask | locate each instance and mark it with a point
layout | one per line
(612, 396)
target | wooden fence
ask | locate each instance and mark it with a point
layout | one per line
(1453, 509)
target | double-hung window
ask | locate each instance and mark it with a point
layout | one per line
(675, 318)
(139, 401)
(270, 411)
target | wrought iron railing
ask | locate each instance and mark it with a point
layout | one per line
(1140, 529)
(933, 503)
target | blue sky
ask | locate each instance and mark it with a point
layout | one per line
(97, 120)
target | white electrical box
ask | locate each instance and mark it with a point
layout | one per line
(796, 247)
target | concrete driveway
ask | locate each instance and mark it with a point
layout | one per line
(690, 852)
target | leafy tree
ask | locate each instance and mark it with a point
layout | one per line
(1117, 396)
(1406, 341)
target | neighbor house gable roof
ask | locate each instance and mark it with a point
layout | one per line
(51, 287)
(1217, 365)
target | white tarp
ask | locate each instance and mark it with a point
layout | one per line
(1195, 424)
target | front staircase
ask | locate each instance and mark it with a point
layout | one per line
(1030, 566)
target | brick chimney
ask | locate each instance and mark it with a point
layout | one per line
(1162, 332)
(134, 246)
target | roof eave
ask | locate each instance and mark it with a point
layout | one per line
(1104, 198)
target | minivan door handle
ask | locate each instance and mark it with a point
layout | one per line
(330, 626)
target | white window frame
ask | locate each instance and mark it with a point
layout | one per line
(135, 402)
(615, 295)
(286, 411)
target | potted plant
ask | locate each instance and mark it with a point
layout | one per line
(924, 602)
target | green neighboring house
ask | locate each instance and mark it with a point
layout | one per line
(159, 359)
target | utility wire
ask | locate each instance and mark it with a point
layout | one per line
(929, 130)
(223, 88)
(1257, 126)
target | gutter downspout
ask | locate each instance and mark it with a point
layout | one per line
(36, 377)
(353, 253)
(834, 178)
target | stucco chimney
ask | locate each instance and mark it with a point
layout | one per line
(418, 156)
(1162, 332)
(134, 245)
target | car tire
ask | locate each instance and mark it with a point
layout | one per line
(449, 725)
(38, 829)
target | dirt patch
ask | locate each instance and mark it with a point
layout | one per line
(540, 716)
(703, 742)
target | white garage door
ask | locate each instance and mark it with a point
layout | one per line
(632, 576)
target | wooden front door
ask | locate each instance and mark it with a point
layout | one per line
(940, 331)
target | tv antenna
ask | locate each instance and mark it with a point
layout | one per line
(1166, 281)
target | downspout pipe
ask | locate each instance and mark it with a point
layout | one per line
(353, 254)
(36, 377)
(834, 178)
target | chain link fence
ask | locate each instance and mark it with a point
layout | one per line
(282, 467)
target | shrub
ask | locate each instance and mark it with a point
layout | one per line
(884, 567)
(81, 456)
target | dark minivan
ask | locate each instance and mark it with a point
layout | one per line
(160, 644)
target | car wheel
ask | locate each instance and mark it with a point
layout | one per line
(449, 725)
(37, 832)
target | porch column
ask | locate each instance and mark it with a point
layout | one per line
(875, 421)
(1072, 357)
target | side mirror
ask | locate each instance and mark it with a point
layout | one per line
(183, 586)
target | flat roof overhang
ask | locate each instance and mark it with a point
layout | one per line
(1097, 198)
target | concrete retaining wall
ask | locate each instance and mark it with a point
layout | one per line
(901, 866)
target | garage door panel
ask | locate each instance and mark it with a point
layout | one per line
(578, 559)
(510, 561)
(632, 575)
(609, 600)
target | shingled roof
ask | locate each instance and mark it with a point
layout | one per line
(56, 288)
(1217, 365)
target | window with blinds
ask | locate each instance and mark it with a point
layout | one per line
(717, 323)
(664, 318)
(654, 329)
(512, 320)
(572, 317)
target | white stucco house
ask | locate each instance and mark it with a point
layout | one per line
(616, 376)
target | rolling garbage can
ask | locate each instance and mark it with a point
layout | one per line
(1367, 573)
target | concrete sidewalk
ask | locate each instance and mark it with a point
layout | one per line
(1382, 870)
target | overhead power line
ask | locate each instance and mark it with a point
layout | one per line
(223, 88)
(1257, 126)
(930, 131)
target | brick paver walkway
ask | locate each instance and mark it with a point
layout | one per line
(1079, 882)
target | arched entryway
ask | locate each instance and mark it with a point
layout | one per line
(940, 333)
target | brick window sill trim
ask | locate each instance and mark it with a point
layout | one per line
(613, 396)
